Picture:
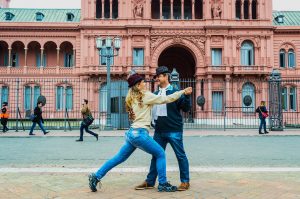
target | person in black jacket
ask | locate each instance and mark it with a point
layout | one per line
(168, 123)
(4, 115)
(260, 110)
(38, 119)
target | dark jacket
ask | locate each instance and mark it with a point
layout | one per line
(38, 115)
(261, 109)
(173, 122)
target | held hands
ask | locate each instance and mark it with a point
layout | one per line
(188, 91)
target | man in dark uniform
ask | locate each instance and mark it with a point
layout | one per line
(168, 123)
(4, 116)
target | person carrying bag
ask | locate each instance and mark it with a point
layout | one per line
(263, 114)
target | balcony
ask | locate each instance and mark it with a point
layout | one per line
(114, 70)
(219, 70)
(251, 70)
(43, 71)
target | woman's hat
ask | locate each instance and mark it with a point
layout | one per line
(134, 79)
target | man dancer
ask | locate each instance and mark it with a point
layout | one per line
(168, 124)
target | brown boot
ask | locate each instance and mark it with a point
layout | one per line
(144, 186)
(183, 186)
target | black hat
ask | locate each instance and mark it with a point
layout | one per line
(161, 70)
(4, 103)
(134, 79)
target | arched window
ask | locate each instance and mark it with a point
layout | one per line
(291, 59)
(238, 9)
(106, 9)
(177, 9)
(155, 9)
(99, 9)
(64, 98)
(198, 9)
(246, 9)
(247, 53)
(115, 9)
(293, 99)
(248, 92)
(187, 9)
(166, 9)
(289, 98)
(31, 94)
(282, 58)
(254, 9)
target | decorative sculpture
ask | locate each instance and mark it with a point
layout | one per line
(138, 8)
(216, 9)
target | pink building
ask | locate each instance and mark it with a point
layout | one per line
(227, 49)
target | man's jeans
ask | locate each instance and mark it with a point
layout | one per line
(137, 138)
(176, 141)
(262, 124)
(34, 124)
(86, 128)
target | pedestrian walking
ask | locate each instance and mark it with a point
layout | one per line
(37, 118)
(139, 103)
(87, 121)
(168, 124)
(262, 114)
(4, 115)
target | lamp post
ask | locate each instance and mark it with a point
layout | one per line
(110, 46)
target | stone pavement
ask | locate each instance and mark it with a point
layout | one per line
(188, 132)
(121, 186)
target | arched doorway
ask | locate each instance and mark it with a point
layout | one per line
(180, 58)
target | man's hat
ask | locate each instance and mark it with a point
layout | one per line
(4, 103)
(134, 79)
(161, 70)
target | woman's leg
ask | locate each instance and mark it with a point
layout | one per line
(261, 124)
(40, 123)
(126, 150)
(32, 127)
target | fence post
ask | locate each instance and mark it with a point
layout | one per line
(17, 108)
(225, 118)
(65, 107)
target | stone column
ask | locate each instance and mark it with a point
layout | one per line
(110, 9)
(250, 9)
(57, 56)
(74, 57)
(25, 59)
(209, 78)
(228, 94)
(172, 9)
(182, 9)
(242, 9)
(193, 9)
(160, 9)
(9, 56)
(207, 51)
(147, 51)
(102, 14)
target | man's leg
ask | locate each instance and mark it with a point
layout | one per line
(32, 127)
(42, 126)
(176, 141)
(151, 176)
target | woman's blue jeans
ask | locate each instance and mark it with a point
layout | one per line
(137, 138)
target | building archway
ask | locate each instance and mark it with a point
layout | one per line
(181, 58)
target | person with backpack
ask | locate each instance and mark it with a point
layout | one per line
(262, 114)
(139, 102)
(37, 118)
(4, 115)
(87, 121)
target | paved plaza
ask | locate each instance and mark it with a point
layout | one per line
(231, 164)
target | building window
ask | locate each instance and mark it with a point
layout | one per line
(187, 9)
(246, 9)
(216, 57)
(39, 16)
(3, 94)
(282, 58)
(70, 17)
(254, 9)
(280, 19)
(166, 9)
(284, 98)
(38, 60)
(138, 57)
(5, 59)
(107, 9)
(31, 95)
(99, 9)
(115, 9)
(14, 60)
(155, 9)
(177, 9)
(9, 16)
(198, 9)
(238, 9)
(217, 101)
(103, 59)
(293, 98)
(291, 59)
(247, 53)
(68, 60)
(248, 90)
(64, 98)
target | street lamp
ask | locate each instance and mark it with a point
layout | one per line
(110, 45)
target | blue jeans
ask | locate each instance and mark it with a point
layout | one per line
(86, 128)
(40, 125)
(176, 141)
(137, 138)
(262, 124)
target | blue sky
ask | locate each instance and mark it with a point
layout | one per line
(277, 4)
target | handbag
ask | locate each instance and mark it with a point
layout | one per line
(32, 117)
(265, 115)
(88, 120)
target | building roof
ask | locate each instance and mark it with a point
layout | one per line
(291, 18)
(29, 15)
